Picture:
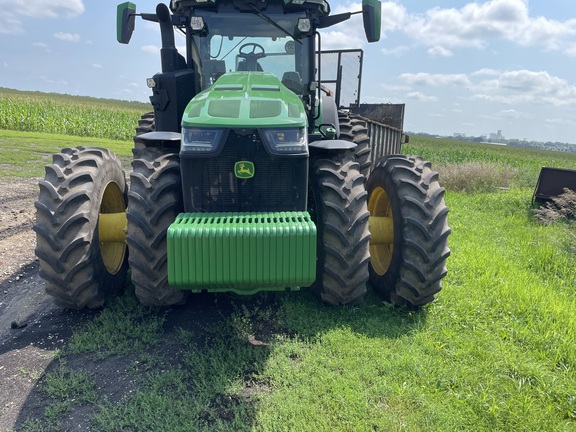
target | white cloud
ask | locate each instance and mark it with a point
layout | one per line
(97, 66)
(429, 79)
(508, 113)
(486, 71)
(67, 37)
(396, 51)
(524, 86)
(439, 51)
(339, 39)
(506, 87)
(395, 88)
(394, 16)
(43, 46)
(10, 24)
(476, 24)
(43, 8)
(348, 34)
(421, 97)
(11, 19)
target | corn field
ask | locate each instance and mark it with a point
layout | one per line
(69, 115)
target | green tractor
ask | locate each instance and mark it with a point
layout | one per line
(247, 176)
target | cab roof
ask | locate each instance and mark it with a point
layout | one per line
(182, 6)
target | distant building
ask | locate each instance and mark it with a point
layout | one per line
(497, 136)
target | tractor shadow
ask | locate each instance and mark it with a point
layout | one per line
(305, 316)
(204, 362)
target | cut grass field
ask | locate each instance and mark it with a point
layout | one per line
(495, 352)
(24, 154)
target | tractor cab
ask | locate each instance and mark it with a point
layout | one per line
(222, 36)
(252, 42)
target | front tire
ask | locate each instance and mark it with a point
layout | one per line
(408, 270)
(154, 201)
(338, 205)
(80, 270)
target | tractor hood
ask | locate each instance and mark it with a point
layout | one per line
(245, 99)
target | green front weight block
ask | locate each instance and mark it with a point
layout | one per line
(241, 252)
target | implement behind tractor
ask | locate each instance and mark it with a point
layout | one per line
(250, 174)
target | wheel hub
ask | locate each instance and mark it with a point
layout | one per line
(381, 225)
(112, 228)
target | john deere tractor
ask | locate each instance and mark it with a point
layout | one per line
(247, 176)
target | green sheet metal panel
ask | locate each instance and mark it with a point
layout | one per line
(241, 252)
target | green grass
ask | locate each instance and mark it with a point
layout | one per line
(65, 390)
(494, 352)
(203, 389)
(68, 386)
(24, 154)
(122, 328)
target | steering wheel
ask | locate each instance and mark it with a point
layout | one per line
(251, 52)
(255, 53)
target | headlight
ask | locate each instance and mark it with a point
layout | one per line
(201, 140)
(304, 24)
(286, 140)
(196, 23)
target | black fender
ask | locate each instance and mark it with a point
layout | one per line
(332, 145)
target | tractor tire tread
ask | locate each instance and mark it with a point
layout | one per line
(67, 214)
(353, 128)
(154, 201)
(343, 265)
(419, 261)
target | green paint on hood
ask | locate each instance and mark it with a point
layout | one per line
(245, 99)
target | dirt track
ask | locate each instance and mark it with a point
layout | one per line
(31, 327)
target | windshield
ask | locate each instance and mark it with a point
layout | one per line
(246, 41)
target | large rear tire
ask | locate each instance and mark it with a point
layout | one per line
(147, 123)
(353, 128)
(154, 201)
(408, 270)
(338, 206)
(79, 269)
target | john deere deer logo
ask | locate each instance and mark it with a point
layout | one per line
(244, 169)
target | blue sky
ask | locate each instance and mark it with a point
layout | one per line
(459, 66)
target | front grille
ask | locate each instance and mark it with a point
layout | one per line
(279, 183)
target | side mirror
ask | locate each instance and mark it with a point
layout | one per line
(125, 19)
(372, 15)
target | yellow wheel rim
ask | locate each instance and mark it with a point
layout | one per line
(112, 228)
(381, 230)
